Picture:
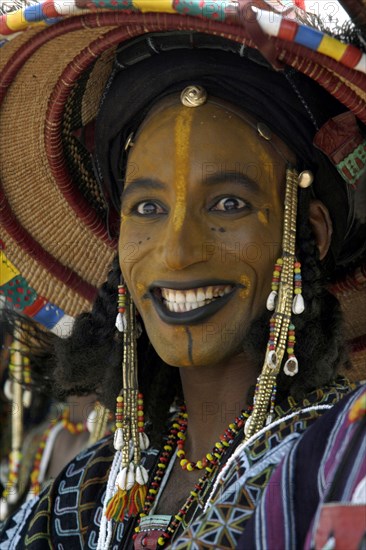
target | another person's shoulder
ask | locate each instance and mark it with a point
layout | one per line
(80, 486)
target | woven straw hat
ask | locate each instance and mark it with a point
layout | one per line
(55, 245)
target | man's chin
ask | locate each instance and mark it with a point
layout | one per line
(208, 344)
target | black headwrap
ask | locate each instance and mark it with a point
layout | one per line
(292, 105)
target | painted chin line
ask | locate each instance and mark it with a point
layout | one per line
(192, 317)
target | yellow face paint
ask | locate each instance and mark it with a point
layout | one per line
(182, 132)
(244, 292)
(262, 218)
(140, 288)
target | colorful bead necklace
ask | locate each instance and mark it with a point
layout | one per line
(71, 427)
(210, 463)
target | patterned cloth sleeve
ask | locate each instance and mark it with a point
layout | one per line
(284, 518)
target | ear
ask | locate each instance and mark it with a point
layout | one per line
(322, 226)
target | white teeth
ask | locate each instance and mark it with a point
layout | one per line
(180, 297)
(209, 293)
(186, 300)
(191, 296)
(200, 295)
(165, 293)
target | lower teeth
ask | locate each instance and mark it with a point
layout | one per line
(188, 306)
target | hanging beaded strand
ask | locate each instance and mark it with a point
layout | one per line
(286, 299)
(298, 305)
(272, 298)
(27, 381)
(281, 318)
(11, 492)
(131, 482)
(24, 377)
(118, 434)
(144, 441)
(291, 366)
(121, 319)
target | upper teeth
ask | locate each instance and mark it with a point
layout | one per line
(185, 300)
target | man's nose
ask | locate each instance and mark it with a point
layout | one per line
(183, 246)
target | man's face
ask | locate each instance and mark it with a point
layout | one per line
(201, 229)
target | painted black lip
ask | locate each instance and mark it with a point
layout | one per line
(194, 316)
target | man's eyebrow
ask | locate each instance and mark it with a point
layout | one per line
(235, 177)
(141, 184)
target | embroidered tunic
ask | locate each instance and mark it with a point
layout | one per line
(68, 513)
(318, 493)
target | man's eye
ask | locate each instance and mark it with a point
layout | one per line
(148, 208)
(230, 203)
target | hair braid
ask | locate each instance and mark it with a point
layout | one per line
(86, 360)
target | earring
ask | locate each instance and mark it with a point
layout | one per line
(121, 322)
(130, 437)
(285, 298)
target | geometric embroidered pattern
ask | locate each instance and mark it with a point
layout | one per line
(242, 486)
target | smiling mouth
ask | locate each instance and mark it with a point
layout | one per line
(181, 301)
(190, 305)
